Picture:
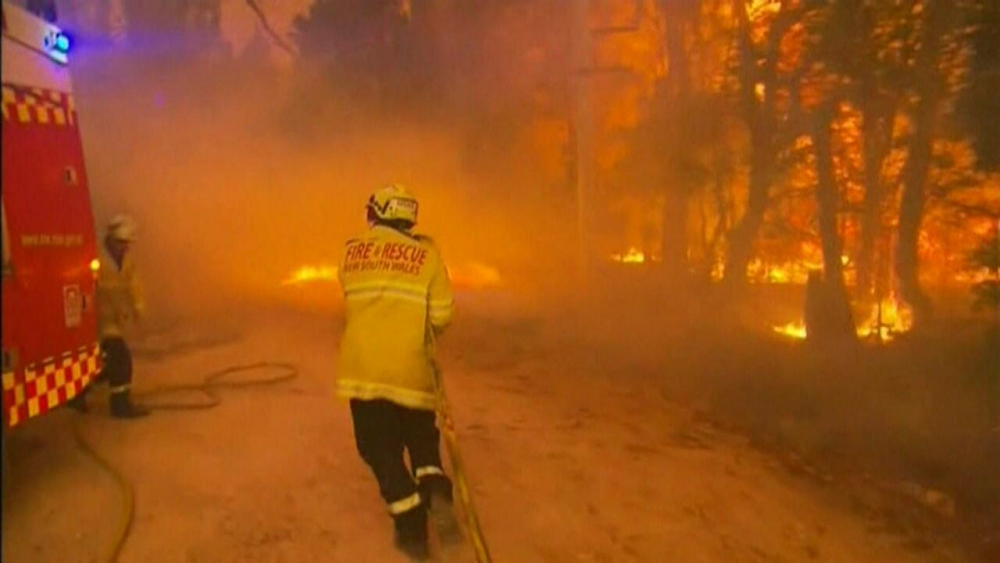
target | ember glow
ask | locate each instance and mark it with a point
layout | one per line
(309, 274)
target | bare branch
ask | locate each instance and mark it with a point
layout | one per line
(971, 210)
(278, 40)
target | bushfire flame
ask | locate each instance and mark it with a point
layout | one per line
(307, 274)
(794, 329)
(633, 256)
(892, 318)
(884, 323)
(785, 273)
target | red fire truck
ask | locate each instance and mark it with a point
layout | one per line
(50, 350)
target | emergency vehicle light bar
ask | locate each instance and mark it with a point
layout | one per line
(56, 45)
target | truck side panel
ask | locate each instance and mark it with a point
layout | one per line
(49, 317)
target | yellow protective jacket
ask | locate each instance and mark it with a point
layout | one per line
(119, 296)
(397, 297)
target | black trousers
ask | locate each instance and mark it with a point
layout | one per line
(117, 364)
(383, 430)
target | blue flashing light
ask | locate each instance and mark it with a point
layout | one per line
(62, 42)
(56, 45)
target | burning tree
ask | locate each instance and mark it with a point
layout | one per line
(833, 127)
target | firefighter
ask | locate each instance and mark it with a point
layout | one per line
(119, 305)
(398, 299)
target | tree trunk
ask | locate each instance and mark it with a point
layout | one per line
(911, 213)
(744, 233)
(877, 114)
(828, 198)
(674, 242)
(914, 173)
(759, 118)
(876, 134)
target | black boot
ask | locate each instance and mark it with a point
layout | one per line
(436, 490)
(123, 407)
(411, 533)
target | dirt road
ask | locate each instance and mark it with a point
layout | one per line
(568, 465)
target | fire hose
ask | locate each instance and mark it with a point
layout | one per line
(211, 383)
(447, 426)
(217, 380)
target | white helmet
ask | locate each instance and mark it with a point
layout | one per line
(394, 203)
(122, 227)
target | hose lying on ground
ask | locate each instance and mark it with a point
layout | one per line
(211, 382)
(447, 425)
(128, 497)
